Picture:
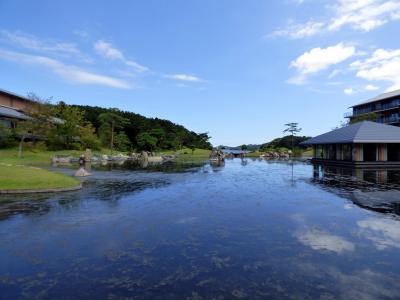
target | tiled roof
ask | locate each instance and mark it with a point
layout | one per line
(11, 113)
(363, 132)
(381, 97)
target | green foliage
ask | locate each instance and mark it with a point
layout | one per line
(168, 135)
(365, 117)
(284, 142)
(146, 141)
(7, 138)
(88, 137)
(111, 121)
(122, 142)
(243, 147)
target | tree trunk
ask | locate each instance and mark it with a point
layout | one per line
(20, 146)
(112, 137)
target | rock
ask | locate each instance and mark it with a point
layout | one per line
(82, 173)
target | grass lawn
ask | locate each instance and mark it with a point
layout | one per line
(186, 153)
(10, 155)
(19, 177)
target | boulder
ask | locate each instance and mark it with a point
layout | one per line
(82, 172)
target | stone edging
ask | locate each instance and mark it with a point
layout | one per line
(36, 191)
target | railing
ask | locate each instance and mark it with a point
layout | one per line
(348, 114)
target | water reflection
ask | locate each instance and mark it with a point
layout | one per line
(266, 230)
(377, 190)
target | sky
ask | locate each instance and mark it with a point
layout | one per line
(239, 70)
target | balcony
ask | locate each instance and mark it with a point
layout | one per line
(348, 114)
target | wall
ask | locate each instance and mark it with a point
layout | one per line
(14, 102)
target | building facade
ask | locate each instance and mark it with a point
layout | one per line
(385, 106)
(11, 107)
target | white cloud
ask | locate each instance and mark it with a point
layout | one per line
(297, 31)
(371, 87)
(349, 91)
(106, 50)
(383, 233)
(319, 59)
(360, 15)
(320, 240)
(360, 89)
(70, 73)
(31, 42)
(363, 15)
(382, 65)
(184, 77)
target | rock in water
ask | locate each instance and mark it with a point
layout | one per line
(82, 172)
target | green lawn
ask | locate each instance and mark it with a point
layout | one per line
(19, 177)
(10, 156)
(186, 154)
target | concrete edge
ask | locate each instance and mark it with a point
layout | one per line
(37, 191)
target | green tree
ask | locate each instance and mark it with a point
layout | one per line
(88, 137)
(243, 147)
(122, 142)
(6, 136)
(110, 122)
(293, 128)
(38, 125)
(159, 134)
(146, 141)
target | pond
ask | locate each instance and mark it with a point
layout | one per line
(245, 229)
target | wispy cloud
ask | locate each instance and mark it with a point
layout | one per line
(184, 77)
(318, 59)
(360, 15)
(298, 31)
(70, 73)
(31, 42)
(108, 51)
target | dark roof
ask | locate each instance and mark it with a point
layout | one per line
(380, 97)
(363, 132)
(12, 113)
(5, 92)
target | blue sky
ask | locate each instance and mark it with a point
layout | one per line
(237, 69)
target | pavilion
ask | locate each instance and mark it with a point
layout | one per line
(364, 144)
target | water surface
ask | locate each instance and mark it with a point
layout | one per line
(246, 229)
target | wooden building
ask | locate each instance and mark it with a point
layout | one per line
(11, 107)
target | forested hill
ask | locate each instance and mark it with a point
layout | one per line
(168, 134)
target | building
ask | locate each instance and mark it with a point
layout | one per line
(362, 144)
(386, 106)
(11, 107)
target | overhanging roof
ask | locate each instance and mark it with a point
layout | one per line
(12, 113)
(7, 93)
(380, 97)
(363, 132)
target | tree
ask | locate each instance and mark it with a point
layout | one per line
(243, 147)
(39, 123)
(122, 142)
(88, 137)
(146, 141)
(293, 128)
(159, 134)
(111, 121)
